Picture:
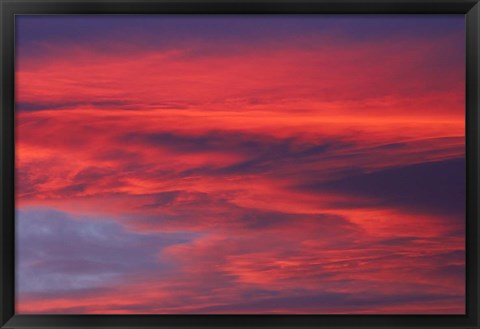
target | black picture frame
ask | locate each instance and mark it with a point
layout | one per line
(10, 8)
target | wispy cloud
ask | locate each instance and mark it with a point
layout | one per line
(218, 168)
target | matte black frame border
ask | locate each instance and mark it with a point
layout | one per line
(10, 8)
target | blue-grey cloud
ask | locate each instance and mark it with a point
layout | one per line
(261, 152)
(434, 187)
(58, 252)
(161, 31)
(30, 107)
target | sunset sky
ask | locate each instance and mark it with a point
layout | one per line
(240, 164)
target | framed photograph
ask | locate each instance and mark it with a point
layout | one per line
(263, 164)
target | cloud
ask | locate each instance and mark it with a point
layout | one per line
(330, 303)
(432, 187)
(214, 166)
(192, 70)
(60, 253)
(274, 262)
(27, 107)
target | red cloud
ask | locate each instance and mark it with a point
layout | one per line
(222, 145)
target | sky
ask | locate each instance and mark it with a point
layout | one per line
(240, 164)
